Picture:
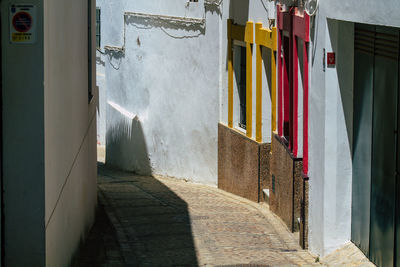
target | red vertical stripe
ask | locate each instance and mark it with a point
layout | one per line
(280, 122)
(305, 111)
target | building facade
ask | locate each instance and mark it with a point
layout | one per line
(48, 130)
(333, 151)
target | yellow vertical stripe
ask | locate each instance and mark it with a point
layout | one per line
(230, 75)
(258, 88)
(273, 90)
(258, 93)
(249, 79)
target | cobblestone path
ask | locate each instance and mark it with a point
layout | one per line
(147, 221)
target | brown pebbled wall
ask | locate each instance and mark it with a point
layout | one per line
(297, 192)
(243, 164)
(265, 156)
(304, 215)
(286, 193)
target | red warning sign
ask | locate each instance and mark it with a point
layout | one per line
(331, 59)
(22, 21)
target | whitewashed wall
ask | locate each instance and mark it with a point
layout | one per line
(162, 91)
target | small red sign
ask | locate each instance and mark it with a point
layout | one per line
(331, 59)
(22, 21)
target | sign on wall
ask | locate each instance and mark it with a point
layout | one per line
(22, 23)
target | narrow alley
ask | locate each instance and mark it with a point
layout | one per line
(159, 221)
(199, 133)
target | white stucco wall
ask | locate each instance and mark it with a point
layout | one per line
(102, 97)
(163, 90)
(101, 59)
(331, 113)
(70, 130)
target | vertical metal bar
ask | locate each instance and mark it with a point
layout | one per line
(230, 74)
(258, 88)
(249, 80)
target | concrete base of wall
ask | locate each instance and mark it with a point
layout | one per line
(286, 184)
(243, 164)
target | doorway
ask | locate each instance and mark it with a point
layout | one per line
(375, 219)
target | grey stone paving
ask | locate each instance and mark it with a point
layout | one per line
(156, 221)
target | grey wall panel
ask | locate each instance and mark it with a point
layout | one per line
(383, 161)
(363, 90)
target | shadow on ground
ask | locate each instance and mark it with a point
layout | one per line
(140, 222)
(160, 221)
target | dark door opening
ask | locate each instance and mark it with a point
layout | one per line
(242, 88)
(286, 88)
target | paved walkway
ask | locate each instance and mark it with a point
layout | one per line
(155, 221)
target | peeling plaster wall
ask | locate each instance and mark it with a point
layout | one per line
(331, 113)
(163, 91)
